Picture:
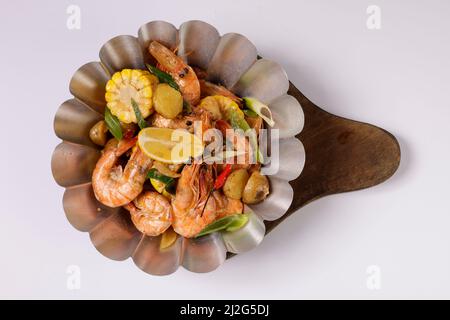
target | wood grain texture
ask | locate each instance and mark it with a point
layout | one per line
(341, 155)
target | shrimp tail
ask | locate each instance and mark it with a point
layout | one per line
(130, 207)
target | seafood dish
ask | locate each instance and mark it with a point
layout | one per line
(180, 153)
(178, 147)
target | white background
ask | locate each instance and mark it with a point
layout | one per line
(397, 78)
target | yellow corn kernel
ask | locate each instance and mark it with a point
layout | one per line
(110, 96)
(126, 75)
(111, 86)
(146, 92)
(117, 79)
(135, 75)
(142, 82)
(146, 102)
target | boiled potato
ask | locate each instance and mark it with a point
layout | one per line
(256, 189)
(235, 183)
(167, 101)
(98, 133)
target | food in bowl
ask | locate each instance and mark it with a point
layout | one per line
(181, 154)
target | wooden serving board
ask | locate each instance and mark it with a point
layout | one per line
(341, 155)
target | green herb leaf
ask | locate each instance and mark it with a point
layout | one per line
(155, 174)
(187, 108)
(171, 187)
(113, 124)
(140, 119)
(250, 113)
(228, 223)
(238, 122)
(163, 76)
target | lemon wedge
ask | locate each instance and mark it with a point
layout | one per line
(160, 187)
(168, 238)
(169, 145)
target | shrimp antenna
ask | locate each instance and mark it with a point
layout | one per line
(209, 195)
(206, 202)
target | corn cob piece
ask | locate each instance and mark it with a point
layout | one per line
(130, 84)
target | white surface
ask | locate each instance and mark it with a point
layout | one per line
(397, 78)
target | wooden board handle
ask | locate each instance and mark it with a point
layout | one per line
(341, 155)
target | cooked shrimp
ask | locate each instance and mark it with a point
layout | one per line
(210, 89)
(192, 207)
(201, 74)
(183, 74)
(186, 122)
(227, 206)
(114, 186)
(151, 213)
(220, 107)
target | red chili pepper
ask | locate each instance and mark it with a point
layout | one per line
(222, 125)
(222, 177)
(220, 181)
